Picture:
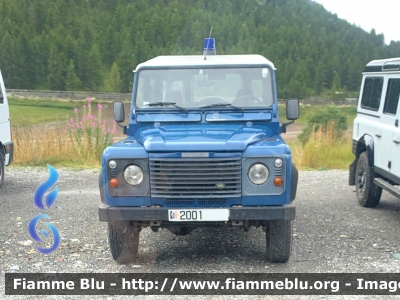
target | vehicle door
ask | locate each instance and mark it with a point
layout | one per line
(4, 113)
(395, 145)
(384, 132)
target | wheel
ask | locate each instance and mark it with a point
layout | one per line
(123, 238)
(368, 194)
(279, 240)
(2, 162)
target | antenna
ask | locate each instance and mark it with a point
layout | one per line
(208, 43)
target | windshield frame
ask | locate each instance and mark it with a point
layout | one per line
(273, 91)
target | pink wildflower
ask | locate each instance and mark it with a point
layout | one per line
(84, 106)
(89, 99)
(94, 124)
(75, 110)
(99, 106)
(71, 121)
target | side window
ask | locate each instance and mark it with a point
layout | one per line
(372, 93)
(392, 96)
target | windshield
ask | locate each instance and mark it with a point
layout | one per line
(200, 88)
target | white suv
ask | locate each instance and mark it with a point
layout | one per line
(376, 133)
(6, 145)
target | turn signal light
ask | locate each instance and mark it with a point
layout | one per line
(114, 182)
(278, 181)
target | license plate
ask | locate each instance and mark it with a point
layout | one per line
(184, 215)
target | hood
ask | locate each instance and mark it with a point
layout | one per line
(200, 137)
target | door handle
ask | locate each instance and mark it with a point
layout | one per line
(396, 141)
(378, 135)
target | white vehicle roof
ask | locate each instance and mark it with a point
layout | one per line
(383, 65)
(198, 61)
(381, 62)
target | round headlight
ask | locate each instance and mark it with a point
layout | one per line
(133, 175)
(258, 174)
(278, 162)
(112, 164)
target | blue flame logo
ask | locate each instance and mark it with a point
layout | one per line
(38, 201)
(44, 187)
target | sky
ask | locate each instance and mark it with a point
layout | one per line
(382, 15)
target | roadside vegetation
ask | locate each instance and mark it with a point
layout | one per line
(324, 150)
(75, 140)
(325, 141)
(74, 134)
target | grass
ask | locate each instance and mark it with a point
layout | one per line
(306, 110)
(325, 150)
(80, 144)
(26, 112)
(22, 116)
(76, 143)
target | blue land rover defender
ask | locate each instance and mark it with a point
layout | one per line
(203, 149)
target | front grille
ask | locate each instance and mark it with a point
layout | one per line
(195, 177)
(180, 202)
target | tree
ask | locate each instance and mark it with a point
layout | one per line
(336, 85)
(127, 62)
(56, 70)
(73, 83)
(114, 82)
(94, 69)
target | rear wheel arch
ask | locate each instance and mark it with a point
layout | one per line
(366, 144)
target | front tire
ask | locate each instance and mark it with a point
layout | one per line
(279, 240)
(368, 194)
(123, 238)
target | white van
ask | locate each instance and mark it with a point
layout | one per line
(6, 145)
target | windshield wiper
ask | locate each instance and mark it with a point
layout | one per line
(222, 105)
(167, 104)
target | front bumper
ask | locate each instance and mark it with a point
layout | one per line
(9, 147)
(255, 213)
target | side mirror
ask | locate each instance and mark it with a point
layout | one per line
(292, 109)
(292, 113)
(119, 112)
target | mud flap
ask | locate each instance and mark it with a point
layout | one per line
(352, 173)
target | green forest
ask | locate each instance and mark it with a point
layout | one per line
(93, 45)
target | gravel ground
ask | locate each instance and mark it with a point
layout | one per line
(332, 234)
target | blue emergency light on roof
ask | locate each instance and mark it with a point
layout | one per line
(209, 46)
